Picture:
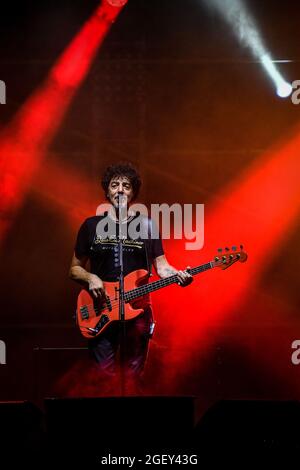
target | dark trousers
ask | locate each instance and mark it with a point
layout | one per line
(106, 350)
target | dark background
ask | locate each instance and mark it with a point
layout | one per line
(174, 92)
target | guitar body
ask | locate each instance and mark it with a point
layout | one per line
(93, 316)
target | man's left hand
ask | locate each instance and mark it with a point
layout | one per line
(184, 278)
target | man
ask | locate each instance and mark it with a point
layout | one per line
(101, 252)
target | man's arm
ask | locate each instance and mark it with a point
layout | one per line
(164, 269)
(79, 274)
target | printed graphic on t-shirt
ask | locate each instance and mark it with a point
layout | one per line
(113, 241)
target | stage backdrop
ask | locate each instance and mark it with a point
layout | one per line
(172, 90)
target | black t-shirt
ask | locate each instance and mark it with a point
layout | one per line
(102, 250)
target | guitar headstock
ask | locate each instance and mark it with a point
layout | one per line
(227, 257)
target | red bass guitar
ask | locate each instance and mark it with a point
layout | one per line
(93, 316)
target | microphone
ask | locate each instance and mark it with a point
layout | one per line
(122, 199)
(122, 207)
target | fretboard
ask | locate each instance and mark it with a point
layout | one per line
(147, 288)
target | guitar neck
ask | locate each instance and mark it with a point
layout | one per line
(147, 288)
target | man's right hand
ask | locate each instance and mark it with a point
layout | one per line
(96, 287)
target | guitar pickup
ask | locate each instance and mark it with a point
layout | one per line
(84, 311)
(108, 303)
(98, 308)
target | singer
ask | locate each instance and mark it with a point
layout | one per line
(94, 263)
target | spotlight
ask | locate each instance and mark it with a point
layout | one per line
(244, 26)
(284, 89)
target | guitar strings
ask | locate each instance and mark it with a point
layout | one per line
(141, 293)
(161, 282)
(167, 281)
(116, 301)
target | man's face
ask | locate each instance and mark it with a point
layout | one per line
(119, 185)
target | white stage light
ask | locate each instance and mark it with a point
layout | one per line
(243, 24)
(284, 90)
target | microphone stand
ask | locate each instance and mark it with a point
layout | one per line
(122, 210)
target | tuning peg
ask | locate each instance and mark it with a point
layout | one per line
(220, 250)
(227, 249)
(231, 256)
(217, 258)
(224, 259)
(234, 248)
(241, 247)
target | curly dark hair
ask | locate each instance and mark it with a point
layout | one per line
(122, 169)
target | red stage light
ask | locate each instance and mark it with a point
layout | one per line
(24, 142)
(117, 3)
(259, 210)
